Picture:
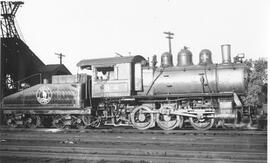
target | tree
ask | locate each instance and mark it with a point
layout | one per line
(257, 82)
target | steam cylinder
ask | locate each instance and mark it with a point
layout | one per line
(184, 57)
(226, 53)
(205, 57)
(166, 60)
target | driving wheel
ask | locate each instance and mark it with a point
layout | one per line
(169, 122)
(201, 123)
(142, 118)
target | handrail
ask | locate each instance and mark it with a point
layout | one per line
(28, 77)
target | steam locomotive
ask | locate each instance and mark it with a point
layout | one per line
(131, 91)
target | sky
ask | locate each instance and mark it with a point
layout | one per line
(88, 29)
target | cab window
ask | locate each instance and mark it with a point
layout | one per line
(104, 73)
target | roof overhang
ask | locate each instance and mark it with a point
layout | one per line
(109, 61)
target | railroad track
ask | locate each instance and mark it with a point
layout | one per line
(119, 154)
(214, 132)
(134, 145)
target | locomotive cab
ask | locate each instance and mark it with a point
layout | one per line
(115, 77)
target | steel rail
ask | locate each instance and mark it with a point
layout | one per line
(119, 158)
(229, 156)
(214, 132)
(168, 139)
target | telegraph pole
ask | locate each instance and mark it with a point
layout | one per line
(60, 56)
(169, 37)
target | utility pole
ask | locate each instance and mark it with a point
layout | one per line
(169, 37)
(60, 56)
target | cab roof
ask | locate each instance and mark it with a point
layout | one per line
(109, 61)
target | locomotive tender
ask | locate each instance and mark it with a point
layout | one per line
(128, 91)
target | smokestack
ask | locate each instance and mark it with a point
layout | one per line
(226, 53)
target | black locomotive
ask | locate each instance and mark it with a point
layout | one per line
(130, 91)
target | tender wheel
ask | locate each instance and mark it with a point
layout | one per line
(32, 121)
(79, 123)
(46, 121)
(62, 122)
(91, 121)
(202, 124)
(169, 122)
(142, 120)
(11, 121)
